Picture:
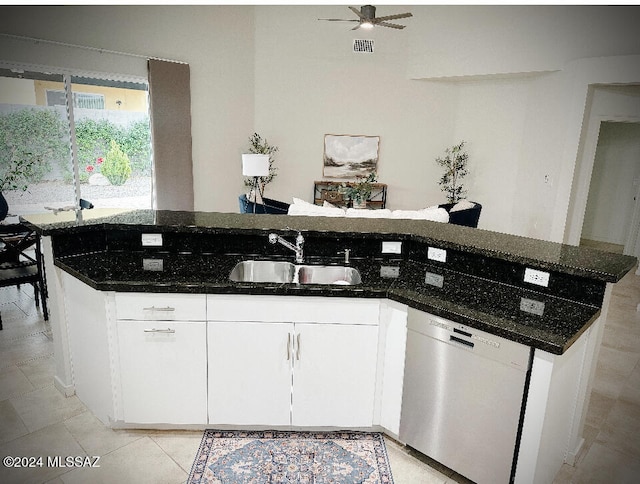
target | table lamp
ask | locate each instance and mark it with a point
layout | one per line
(256, 166)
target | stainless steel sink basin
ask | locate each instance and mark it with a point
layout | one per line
(342, 275)
(263, 271)
(286, 272)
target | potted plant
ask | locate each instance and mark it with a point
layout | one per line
(259, 145)
(16, 176)
(455, 169)
(359, 191)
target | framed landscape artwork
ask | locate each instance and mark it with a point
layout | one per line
(347, 156)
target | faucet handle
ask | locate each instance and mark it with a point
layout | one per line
(346, 253)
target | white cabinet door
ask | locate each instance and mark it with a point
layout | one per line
(163, 371)
(334, 375)
(393, 328)
(249, 373)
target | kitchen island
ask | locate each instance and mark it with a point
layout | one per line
(106, 285)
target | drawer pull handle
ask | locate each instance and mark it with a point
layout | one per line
(153, 308)
(298, 348)
(154, 330)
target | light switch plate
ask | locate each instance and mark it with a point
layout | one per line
(391, 247)
(152, 240)
(439, 255)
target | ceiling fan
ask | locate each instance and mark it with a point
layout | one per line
(367, 18)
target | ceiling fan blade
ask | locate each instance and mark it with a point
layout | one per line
(357, 12)
(338, 20)
(393, 26)
(394, 17)
(357, 26)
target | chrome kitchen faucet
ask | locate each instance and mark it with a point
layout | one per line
(274, 238)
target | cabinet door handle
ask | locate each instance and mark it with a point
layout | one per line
(154, 330)
(298, 347)
(153, 308)
(288, 346)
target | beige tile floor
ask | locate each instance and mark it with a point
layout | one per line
(36, 420)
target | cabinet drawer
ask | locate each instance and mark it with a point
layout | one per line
(299, 309)
(161, 307)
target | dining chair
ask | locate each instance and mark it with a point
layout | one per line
(19, 266)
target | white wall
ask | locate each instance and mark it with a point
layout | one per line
(309, 83)
(509, 143)
(615, 180)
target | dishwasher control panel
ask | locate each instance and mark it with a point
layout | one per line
(480, 342)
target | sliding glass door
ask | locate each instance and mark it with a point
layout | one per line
(35, 155)
(42, 116)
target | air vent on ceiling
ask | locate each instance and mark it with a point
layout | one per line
(363, 46)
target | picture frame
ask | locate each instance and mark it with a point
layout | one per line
(350, 156)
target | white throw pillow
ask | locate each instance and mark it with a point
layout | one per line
(364, 213)
(300, 207)
(462, 205)
(433, 214)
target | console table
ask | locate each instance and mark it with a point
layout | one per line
(328, 190)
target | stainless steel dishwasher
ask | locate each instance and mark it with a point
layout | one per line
(462, 397)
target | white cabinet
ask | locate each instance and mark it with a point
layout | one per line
(163, 369)
(249, 374)
(278, 370)
(334, 375)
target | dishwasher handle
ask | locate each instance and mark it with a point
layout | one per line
(461, 341)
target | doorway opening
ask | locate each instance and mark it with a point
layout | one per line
(612, 212)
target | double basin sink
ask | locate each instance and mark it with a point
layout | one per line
(287, 272)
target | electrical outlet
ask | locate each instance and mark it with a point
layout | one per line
(539, 278)
(434, 279)
(389, 272)
(531, 306)
(391, 247)
(152, 240)
(434, 253)
(152, 264)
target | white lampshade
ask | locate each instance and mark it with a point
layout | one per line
(255, 165)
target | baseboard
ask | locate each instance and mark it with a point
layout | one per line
(66, 390)
(572, 457)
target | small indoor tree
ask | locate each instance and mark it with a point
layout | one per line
(455, 169)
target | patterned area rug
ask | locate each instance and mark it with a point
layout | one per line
(248, 457)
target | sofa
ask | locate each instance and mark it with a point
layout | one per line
(268, 205)
(467, 215)
(462, 213)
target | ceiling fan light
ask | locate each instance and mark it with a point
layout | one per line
(366, 25)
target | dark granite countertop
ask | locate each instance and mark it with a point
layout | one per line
(479, 303)
(541, 254)
(481, 285)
